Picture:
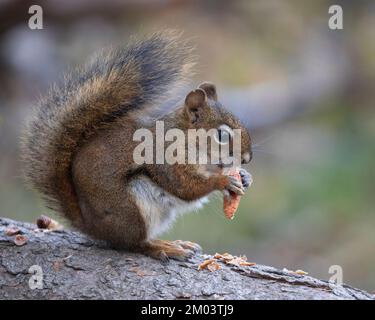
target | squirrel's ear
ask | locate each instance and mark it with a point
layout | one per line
(195, 100)
(210, 90)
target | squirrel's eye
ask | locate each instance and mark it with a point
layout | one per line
(223, 136)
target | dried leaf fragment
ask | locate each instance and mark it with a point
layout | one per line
(209, 264)
(301, 272)
(205, 263)
(225, 256)
(234, 260)
(12, 231)
(20, 240)
(213, 266)
(240, 261)
(247, 264)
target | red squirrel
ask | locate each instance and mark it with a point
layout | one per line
(78, 148)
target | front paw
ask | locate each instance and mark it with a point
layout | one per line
(246, 178)
(235, 185)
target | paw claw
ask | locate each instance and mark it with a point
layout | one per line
(178, 250)
(195, 247)
(163, 257)
(246, 178)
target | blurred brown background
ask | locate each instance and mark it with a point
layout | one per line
(306, 93)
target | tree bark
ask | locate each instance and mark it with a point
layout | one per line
(76, 267)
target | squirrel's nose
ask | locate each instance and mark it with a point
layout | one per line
(246, 157)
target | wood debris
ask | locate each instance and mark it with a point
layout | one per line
(209, 264)
(12, 231)
(20, 240)
(234, 260)
(298, 272)
(212, 265)
(44, 222)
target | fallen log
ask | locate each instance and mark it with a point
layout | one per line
(35, 264)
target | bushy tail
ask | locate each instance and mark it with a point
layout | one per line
(112, 84)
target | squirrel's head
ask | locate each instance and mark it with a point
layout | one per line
(203, 110)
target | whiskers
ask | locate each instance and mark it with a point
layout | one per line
(255, 150)
(262, 142)
(259, 147)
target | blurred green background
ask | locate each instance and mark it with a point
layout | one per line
(306, 93)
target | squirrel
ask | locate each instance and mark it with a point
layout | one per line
(77, 149)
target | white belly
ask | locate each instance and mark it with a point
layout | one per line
(158, 207)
